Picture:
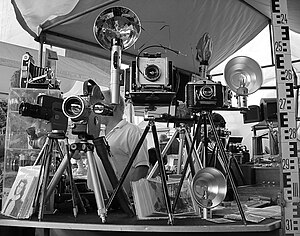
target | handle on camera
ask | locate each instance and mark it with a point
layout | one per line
(90, 88)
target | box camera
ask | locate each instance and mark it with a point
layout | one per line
(151, 81)
(207, 94)
(47, 108)
(266, 111)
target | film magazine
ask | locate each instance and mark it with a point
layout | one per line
(150, 202)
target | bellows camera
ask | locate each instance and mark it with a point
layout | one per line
(207, 94)
(151, 81)
(33, 76)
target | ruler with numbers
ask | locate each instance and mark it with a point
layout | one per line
(290, 201)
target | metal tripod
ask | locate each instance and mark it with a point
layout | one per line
(223, 159)
(151, 124)
(185, 140)
(97, 180)
(45, 157)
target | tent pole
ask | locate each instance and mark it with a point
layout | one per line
(41, 54)
(271, 43)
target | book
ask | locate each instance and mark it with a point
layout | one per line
(149, 200)
(249, 217)
(19, 201)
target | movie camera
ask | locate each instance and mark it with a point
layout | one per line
(205, 94)
(84, 109)
(151, 81)
(47, 108)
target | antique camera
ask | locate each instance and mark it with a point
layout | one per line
(33, 76)
(153, 71)
(47, 108)
(84, 109)
(151, 81)
(207, 94)
(266, 111)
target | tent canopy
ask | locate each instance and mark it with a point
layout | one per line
(174, 24)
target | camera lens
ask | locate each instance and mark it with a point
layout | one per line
(34, 111)
(102, 109)
(207, 91)
(152, 72)
(74, 107)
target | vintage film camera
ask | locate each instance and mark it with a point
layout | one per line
(151, 81)
(47, 108)
(84, 109)
(33, 76)
(206, 94)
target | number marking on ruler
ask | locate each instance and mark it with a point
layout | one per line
(286, 118)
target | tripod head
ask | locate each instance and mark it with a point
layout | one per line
(84, 131)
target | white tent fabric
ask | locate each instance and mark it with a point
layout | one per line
(174, 24)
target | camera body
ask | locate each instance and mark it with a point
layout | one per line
(79, 110)
(153, 72)
(151, 81)
(207, 94)
(47, 108)
(33, 76)
(84, 110)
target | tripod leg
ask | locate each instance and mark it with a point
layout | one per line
(224, 159)
(45, 179)
(41, 156)
(73, 187)
(69, 171)
(166, 148)
(128, 166)
(65, 165)
(97, 186)
(238, 168)
(75, 192)
(163, 175)
(196, 159)
(103, 152)
(186, 165)
(54, 181)
(180, 152)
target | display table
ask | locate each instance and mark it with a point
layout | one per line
(120, 224)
